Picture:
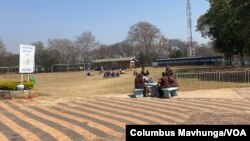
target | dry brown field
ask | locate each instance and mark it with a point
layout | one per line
(78, 84)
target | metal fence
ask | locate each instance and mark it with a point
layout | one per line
(210, 80)
(187, 81)
(13, 69)
(69, 67)
(53, 68)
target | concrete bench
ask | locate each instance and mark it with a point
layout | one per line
(169, 92)
(138, 93)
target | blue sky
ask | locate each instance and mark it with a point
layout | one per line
(26, 21)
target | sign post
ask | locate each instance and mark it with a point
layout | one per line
(26, 60)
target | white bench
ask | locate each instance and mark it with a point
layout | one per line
(138, 92)
(168, 92)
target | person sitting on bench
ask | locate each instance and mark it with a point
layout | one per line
(88, 73)
(172, 80)
(140, 83)
(144, 73)
(163, 83)
(168, 69)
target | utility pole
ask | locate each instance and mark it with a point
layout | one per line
(190, 47)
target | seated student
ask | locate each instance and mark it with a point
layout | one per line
(168, 69)
(88, 73)
(120, 70)
(172, 80)
(106, 74)
(111, 72)
(164, 83)
(140, 83)
(144, 73)
(145, 78)
(117, 74)
(147, 73)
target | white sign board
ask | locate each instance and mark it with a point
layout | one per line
(27, 59)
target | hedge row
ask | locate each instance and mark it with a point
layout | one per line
(12, 85)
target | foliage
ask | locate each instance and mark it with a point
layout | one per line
(205, 50)
(144, 37)
(12, 85)
(49, 57)
(39, 52)
(67, 52)
(2, 47)
(227, 27)
(2, 51)
(9, 59)
(242, 15)
(84, 43)
(176, 54)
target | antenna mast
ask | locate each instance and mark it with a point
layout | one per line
(190, 47)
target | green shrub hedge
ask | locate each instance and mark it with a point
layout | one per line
(12, 85)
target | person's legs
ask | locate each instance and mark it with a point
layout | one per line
(144, 91)
(160, 92)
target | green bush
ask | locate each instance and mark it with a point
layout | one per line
(28, 85)
(11, 85)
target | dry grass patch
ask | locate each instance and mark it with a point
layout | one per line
(77, 84)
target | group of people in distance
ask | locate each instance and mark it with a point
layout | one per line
(109, 74)
(112, 73)
(167, 80)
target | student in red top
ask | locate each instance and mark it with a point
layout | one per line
(140, 83)
(172, 80)
(163, 83)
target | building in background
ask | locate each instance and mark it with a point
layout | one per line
(116, 63)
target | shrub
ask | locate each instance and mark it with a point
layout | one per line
(28, 85)
(11, 85)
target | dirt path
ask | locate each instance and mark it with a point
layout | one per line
(104, 118)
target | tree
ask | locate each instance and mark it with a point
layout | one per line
(2, 51)
(163, 48)
(85, 42)
(120, 49)
(2, 47)
(7, 58)
(144, 37)
(176, 54)
(67, 52)
(100, 53)
(223, 25)
(39, 50)
(176, 44)
(49, 57)
(10, 59)
(241, 8)
(125, 49)
(205, 50)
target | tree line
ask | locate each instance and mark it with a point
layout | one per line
(227, 24)
(144, 42)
